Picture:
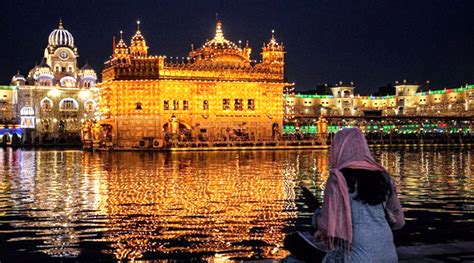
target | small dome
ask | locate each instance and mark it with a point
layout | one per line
(87, 76)
(18, 77)
(61, 37)
(43, 64)
(42, 71)
(32, 72)
(87, 67)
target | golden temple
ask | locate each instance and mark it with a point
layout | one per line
(217, 93)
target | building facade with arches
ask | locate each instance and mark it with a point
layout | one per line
(216, 93)
(57, 95)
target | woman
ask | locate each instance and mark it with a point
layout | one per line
(360, 204)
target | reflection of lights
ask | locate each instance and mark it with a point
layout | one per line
(212, 203)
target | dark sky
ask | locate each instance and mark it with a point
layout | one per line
(369, 42)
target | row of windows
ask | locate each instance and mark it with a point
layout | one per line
(67, 105)
(175, 106)
(62, 69)
(226, 105)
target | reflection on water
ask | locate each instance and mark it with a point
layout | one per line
(208, 205)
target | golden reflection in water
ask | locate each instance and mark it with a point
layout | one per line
(225, 204)
(197, 202)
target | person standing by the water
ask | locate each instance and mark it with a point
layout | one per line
(360, 204)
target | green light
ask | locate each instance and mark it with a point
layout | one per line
(8, 87)
(313, 96)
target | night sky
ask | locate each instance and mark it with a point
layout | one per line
(369, 42)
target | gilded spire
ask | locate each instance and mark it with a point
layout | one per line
(273, 44)
(138, 46)
(61, 24)
(121, 43)
(219, 35)
(219, 47)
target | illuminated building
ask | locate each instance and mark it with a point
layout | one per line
(341, 104)
(406, 101)
(9, 128)
(217, 93)
(56, 95)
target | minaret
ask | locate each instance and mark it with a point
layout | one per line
(138, 47)
(121, 49)
(273, 52)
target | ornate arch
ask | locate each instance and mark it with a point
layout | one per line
(46, 99)
(63, 106)
(68, 81)
(90, 100)
(27, 111)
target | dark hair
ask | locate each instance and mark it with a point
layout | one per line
(373, 187)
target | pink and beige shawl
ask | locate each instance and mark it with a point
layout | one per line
(349, 150)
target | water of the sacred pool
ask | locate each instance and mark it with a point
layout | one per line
(204, 205)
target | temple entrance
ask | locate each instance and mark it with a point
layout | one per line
(181, 130)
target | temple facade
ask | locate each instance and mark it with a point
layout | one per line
(218, 93)
(56, 96)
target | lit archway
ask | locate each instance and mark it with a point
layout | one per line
(46, 104)
(68, 104)
(90, 105)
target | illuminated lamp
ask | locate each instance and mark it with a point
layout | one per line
(84, 94)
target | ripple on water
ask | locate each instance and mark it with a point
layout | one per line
(71, 204)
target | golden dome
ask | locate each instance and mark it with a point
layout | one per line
(221, 50)
(219, 41)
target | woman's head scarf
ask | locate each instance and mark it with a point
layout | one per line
(348, 150)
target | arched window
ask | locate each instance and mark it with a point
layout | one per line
(68, 104)
(46, 104)
(27, 111)
(44, 82)
(89, 105)
(68, 81)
